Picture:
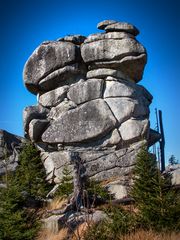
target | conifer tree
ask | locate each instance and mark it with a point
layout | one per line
(173, 160)
(158, 203)
(17, 222)
(66, 186)
(30, 174)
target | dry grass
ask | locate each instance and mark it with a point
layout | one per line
(80, 231)
(44, 234)
(78, 234)
(56, 203)
(150, 235)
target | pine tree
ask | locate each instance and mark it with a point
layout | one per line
(66, 186)
(172, 160)
(17, 221)
(30, 174)
(158, 203)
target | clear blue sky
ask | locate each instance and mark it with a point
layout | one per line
(25, 24)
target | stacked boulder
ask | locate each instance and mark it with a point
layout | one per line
(89, 102)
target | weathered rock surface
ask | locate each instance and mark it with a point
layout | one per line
(89, 102)
(131, 66)
(62, 107)
(122, 108)
(120, 89)
(134, 129)
(36, 128)
(154, 137)
(91, 120)
(111, 49)
(53, 97)
(174, 172)
(10, 145)
(114, 26)
(46, 59)
(86, 91)
(105, 72)
(66, 75)
(105, 23)
(72, 220)
(76, 39)
(125, 54)
(122, 27)
(109, 35)
(33, 112)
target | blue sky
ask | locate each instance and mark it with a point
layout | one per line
(25, 24)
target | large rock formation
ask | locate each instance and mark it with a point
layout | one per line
(89, 102)
(10, 145)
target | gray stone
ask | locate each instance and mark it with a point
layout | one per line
(126, 55)
(62, 107)
(7, 142)
(104, 72)
(33, 112)
(111, 49)
(72, 220)
(120, 89)
(122, 27)
(113, 139)
(36, 128)
(141, 109)
(63, 76)
(118, 190)
(91, 120)
(122, 108)
(134, 129)
(109, 78)
(59, 159)
(131, 66)
(109, 35)
(49, 165)
(98, 216)
(46, 59)
(105, 23)
(102, 114)
(76, 39)
(176, 177)
(53, 223)
(92, 155)
(101, 164)
(112, 173)
(86, 91)
(53, 97)
(145, 93)
(10, 146)
(154, 137)
(174, 171)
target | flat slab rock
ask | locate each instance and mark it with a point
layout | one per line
(109, 35)
(110, 49)
(111, 25)
(91, 120)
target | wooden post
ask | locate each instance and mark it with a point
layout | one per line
(162, 142)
